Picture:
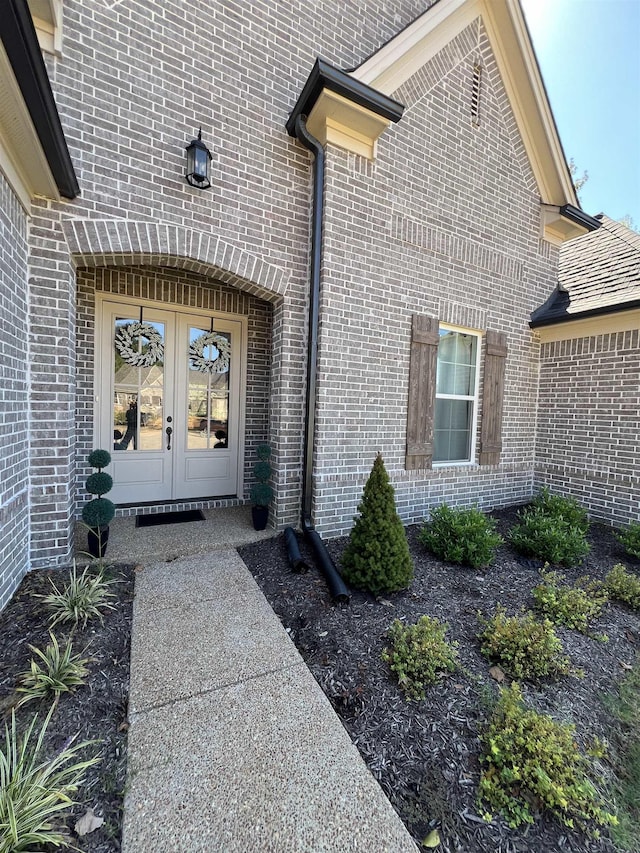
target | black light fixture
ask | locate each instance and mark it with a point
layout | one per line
(198, 160)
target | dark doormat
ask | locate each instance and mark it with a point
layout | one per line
(169, 517)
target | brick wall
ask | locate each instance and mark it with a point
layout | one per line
(14, 399)
(445, 222)
(588, 443)
(52, 386)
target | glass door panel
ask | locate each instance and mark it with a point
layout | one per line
(138, 388)
(208, 370)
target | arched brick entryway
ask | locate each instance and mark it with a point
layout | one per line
(177, 266)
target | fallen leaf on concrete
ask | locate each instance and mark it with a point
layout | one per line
(88, 823)
(497, 674)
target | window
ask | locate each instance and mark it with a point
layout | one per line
(456, 396)
(444, 392)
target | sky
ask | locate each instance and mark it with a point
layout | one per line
(589, 55)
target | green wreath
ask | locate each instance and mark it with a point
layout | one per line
(210, 365)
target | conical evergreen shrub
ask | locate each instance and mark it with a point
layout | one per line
(377, 556)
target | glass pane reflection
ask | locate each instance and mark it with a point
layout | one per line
(138, 397)
(208, 393)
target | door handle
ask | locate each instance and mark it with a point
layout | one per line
(168, 431)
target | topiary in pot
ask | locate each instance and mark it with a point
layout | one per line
(377, 555)
(261, 491)
(99, 512)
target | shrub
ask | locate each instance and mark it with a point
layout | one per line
(465, 536)
(100, 511)
(623, 586)
(418, 653)
(572, 606)
(630, 539)
(82, 598)
(548, 538)
(523, 646)
(534, 762)
(33, 790)
(261, 491)
(568, 509)
(54, 673)
(377, 555)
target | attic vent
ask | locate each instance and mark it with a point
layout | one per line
(475, 94)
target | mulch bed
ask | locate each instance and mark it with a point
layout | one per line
(425, 754)
(96, 711)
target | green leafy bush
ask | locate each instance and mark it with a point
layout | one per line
(99, 459)
(377, 555)
(34, 790)
(630, 539)
(568, 509)
(52, 672)
(523, 646)
(568, 605)
(81, 599)
(263, 451)
(534, 762)
(548, 538)
(418, 653)
(465, 536)
(623, 586)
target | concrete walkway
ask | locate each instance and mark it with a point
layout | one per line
(233, 747)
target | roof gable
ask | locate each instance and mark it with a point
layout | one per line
(396, 61)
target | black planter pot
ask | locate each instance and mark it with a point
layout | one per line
(97, 539)
(260, 516)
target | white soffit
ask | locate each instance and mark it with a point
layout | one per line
(589, 327)
(339, 121)
(47, 19)
(503, 20)
(557, 229)
(22, 159)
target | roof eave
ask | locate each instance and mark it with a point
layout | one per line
(20, 42)
(600, 311)
(575, 214)
(325, 76)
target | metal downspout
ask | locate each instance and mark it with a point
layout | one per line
(337, 587)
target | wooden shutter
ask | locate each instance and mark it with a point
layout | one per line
(422, 391)
(492, 395)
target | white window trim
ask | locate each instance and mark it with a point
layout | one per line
(475, 399)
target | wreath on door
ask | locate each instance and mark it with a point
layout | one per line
(127, 344)
(220, 363)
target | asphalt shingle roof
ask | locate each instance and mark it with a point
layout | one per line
(599, 273)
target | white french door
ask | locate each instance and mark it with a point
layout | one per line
(169, 401)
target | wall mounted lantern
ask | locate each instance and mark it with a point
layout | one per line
(198, 160)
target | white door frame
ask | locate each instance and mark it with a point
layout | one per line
(99, 344)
